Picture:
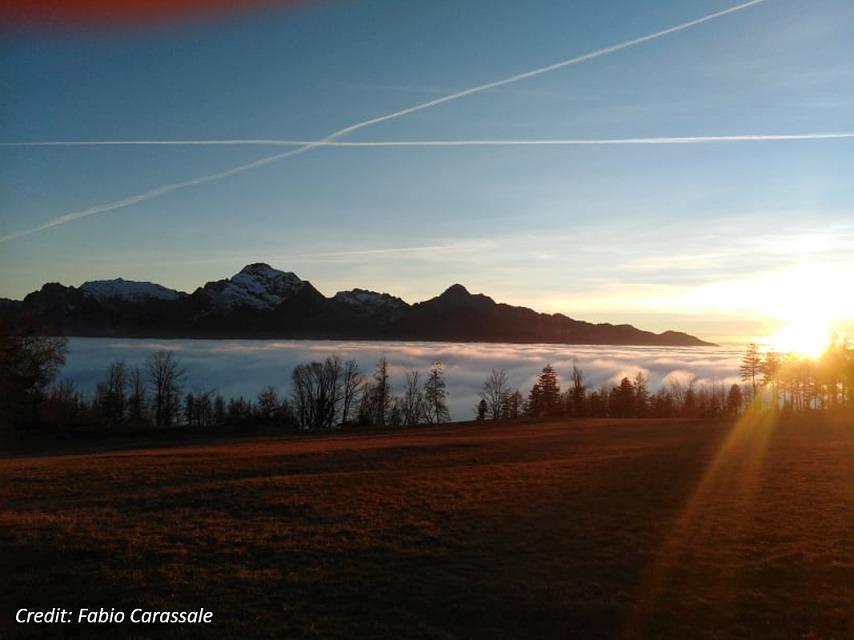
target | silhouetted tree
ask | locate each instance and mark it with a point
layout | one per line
(597, 404)
(512, 407)
(751, 367)
(111, 395)
(204, 408)
(318, 393)
(219, 411)
(734, 400)
(770, 368)
(64, 406)
(137, 410)
(267, 404)
(481, 410)
(549, 392)
(380, 394)
(534, 403)
(190, 409)
(436, 396)
(689, 404)
(577, 391)
(621, 400)
(395, 413)
(640, 386)
(29, 363)
(166, 378)
(351, 384)
(662, 404)
(238, 412)
(413, 406)
(494, 392)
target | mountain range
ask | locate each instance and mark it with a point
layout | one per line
(263, 302)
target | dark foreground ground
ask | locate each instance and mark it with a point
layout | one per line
(664, 529)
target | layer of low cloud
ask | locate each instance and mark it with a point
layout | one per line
(245, 367)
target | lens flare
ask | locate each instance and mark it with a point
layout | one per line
(806, 336)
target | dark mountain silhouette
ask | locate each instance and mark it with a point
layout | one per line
(262, 302)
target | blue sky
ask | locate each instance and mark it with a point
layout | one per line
(695, 237)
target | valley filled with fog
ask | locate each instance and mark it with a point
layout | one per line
(245, 367)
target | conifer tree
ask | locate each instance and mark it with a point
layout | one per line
(751, 363)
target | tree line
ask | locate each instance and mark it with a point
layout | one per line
(770, 381)
(326, 394)
(630, 398)
(790, 382)
(332, 393)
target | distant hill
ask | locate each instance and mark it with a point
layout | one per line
(262, 302)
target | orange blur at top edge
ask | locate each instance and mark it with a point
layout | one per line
(105, 13)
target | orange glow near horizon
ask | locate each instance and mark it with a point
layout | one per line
(805, 336)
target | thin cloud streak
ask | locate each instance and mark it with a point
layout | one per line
(773, 137)
(160, 191)
(333, 256)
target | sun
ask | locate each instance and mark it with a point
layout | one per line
(807, 317)
(808, 336)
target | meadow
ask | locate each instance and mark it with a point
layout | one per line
(571, 528)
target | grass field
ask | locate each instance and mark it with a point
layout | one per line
(664, 529)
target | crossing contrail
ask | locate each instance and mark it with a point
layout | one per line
(169, 188)
(760, 137)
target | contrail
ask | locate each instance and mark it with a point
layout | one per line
(773, 137)
(160, 191)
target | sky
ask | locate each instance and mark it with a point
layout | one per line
(726, 240)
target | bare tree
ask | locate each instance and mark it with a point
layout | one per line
(381, 399)
(352, 381)
(577, 390)
(166, 378)
(64, 405)
(304, 394)
(413, 406)
(204, 408)
(494, 392)
(111, 394)
(436, 395)
(318, 393)
(395, 413)
(136, 397)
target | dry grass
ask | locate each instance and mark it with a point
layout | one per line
(552, 530)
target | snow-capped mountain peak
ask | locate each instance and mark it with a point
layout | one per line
(257, 285)
(364, 301)
(128, 290)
